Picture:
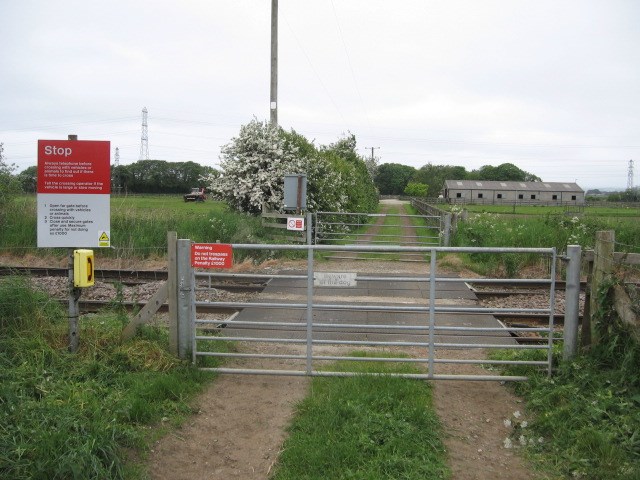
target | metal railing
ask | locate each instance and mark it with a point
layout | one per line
(303, 320)
(335, 228)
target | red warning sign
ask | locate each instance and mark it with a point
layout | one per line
(74, 167)
(211, 255)
(295, 224)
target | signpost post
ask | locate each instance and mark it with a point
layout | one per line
(74, 195)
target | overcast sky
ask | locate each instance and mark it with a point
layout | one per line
(551, 86)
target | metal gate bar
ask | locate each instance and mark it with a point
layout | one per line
(430, 330)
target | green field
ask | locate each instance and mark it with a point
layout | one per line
(139, 225)
(621, 211)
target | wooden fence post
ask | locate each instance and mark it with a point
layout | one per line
(602, 267)
(585, 339)
(172, 289)
(185, 291)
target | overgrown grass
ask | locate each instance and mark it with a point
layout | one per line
(622, 211)
(139, 226)
(491, 230)
(365, 427)
(587, 415)
(68, 415)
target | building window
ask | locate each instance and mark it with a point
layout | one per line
(554, 197)
(499, 195)
(520, 196)
(480, 195)
(458, 195)
(533, 197)
(573, 197)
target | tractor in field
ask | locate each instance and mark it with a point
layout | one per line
(196, 195)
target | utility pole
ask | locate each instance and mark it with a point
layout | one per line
(372, 149)
(274, 63)
(630, 176)
(116, 169)
(372, 167)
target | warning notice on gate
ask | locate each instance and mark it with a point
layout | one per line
(211, 255)
(295, 224)
(74, 187)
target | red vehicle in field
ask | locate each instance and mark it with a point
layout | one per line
(196, 195)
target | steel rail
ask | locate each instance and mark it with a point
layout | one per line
(158, 275)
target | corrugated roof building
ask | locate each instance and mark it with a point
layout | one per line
(495, 192)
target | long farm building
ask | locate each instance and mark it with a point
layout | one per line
(529, 193)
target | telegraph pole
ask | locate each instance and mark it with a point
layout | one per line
(274, 63)
(372, 149)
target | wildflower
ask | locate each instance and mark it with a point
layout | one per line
(524, 424)
(523, 440)
(507, 443)
(540, 439)
(507, 422)
(517, 414)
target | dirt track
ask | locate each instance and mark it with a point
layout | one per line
(241, 425)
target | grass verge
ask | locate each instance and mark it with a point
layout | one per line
(365, 427)
(586, 422)
(80, 416)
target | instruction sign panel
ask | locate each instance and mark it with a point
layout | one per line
(295, 224)
(211, 255)
(333, 279)
(74, 187)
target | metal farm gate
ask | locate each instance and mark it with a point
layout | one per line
(332, 228)
(305, 320)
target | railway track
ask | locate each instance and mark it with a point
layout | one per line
(255, 285)
(141, 276)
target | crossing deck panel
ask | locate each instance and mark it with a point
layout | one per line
(390, 293)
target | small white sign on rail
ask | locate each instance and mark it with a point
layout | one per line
(332, 279)
(296, 224)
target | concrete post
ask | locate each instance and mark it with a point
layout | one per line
(185, 299)
(572, 302)
(74, 308)
(447, 229)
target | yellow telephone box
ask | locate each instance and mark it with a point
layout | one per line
(83, 268)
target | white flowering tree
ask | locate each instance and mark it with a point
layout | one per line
(255, 162)
(253, 167)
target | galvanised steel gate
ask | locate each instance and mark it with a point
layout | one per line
(378, 228)
(305, 320)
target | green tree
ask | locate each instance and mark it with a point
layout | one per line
(392, 178)
(9, 186)
(504, 172)
(416, 189)
(28, 179)
(158, 176)
(255, 162)
(363, 195)
(434, 176)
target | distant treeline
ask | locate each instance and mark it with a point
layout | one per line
(158, 176)
(144, 176)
